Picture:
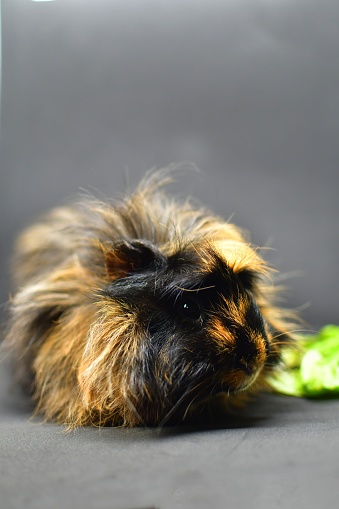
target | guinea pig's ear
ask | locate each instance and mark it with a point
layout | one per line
(132, 256)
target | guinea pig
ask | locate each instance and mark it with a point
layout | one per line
(137, 311)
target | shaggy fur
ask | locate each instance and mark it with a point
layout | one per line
(134, 312)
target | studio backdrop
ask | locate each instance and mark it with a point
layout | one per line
(94, 93)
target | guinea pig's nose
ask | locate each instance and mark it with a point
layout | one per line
(251, 352)
(246, 365)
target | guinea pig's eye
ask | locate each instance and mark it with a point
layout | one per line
(189, 308)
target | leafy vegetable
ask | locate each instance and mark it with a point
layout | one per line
(313, 369)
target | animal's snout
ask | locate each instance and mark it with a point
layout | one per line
(251, 351)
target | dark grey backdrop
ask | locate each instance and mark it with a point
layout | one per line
(249, 91)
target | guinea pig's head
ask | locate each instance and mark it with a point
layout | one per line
(173, 329)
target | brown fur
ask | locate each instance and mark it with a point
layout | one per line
(90, 355)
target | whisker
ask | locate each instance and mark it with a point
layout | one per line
(196, 290)
(292, 332)
(189, 406)
(178, 403)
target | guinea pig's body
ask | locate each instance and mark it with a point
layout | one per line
(133, 312)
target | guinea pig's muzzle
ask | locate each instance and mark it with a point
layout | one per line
(241, 362)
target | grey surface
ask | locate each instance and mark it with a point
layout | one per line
(249, 91)
(282, 453)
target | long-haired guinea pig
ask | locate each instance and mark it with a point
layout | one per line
(137, 311)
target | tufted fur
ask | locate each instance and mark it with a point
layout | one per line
(136, 311)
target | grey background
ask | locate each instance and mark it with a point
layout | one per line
(97, 92)
(247, 90)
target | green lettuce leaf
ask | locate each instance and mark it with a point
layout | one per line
(313, 369)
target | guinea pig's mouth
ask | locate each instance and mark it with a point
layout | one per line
(231, 384)
(225, 388)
